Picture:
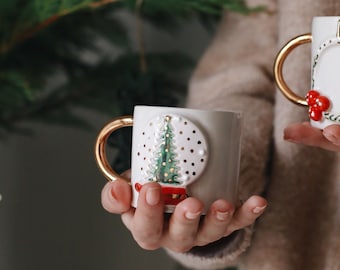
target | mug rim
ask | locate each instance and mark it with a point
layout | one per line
(326, 17)
(234, 112)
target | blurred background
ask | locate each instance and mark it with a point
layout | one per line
(67, 68)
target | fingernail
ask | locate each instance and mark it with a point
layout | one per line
(191, 215)
(113, 194)
(222, 216)
(331, 137)
(153, 196)
(259, 209)
(289, 139)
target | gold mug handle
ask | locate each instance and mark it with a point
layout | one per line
(100, 146)
(278, 66)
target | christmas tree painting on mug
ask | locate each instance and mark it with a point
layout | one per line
(174, 154)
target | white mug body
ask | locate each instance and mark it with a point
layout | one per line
(189, 152)
(323, 97)
(325, 66)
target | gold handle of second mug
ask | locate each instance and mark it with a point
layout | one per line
(278, 66)
(100, 146)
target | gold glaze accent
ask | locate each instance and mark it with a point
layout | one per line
(100, 146)
(278, 67)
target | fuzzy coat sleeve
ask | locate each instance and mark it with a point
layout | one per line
(235, 73)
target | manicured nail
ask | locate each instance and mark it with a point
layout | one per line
(289, 139)
(259, 209)
(153, 196)
(113, 194)
(191, 215)
(222, 216)
(331, 137)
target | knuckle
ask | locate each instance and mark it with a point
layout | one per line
(148, 239)
(152, 232)
(181, 248)
(203, 239)
(236, 224)
(206, 238)
(148, 246)
(183, 238)
(228, 231)
(202, 242)
(181, 243)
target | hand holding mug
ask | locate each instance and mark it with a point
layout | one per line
(190, 153)
(184, 228)
(210, 188)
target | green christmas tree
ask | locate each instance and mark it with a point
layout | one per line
(165, 169)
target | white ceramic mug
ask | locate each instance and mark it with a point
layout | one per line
(323, 99)
(189, 152)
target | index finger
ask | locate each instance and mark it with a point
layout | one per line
(304, 133)
(116, 197)
(147, 222)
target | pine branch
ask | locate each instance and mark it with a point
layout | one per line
(45, 37)
(27, 33)
(111, 88)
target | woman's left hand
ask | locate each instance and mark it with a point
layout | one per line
(304, 133)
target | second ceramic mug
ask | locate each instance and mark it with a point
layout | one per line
(324, 97)
(189, 152)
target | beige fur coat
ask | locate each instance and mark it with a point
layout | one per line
(300, 229)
